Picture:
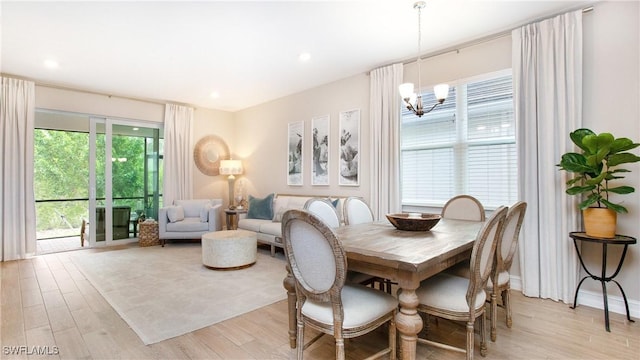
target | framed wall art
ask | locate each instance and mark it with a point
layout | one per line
(349, 150)
(320, 152)
(296, 147)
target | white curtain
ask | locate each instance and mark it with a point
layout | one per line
(17, 201)
(547, 67)
(178, 153)
(385, 140)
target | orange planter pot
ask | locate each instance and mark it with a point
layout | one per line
(600, 222)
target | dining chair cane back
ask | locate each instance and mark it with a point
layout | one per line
(324, 301)
(324, 209)
(463, 207)
(463, 299)
(499, 282)
(356, 211)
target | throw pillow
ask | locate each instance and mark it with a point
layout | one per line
(175, 213)
(260, 208)
(204, 213)
(338, 205)
(280, 205)
(277, 216)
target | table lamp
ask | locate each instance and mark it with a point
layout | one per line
(231, 168)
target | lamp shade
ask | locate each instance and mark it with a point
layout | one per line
(230, 167)
(406, 90)
(441, 91)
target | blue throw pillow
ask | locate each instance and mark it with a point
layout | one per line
(335, 203)
(260, 208)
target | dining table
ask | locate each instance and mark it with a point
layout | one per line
(404, 257)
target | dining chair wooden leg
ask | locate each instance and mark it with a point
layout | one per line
(300, 338)
(392, 339)
(483, 335)
(494, 315)
(470, 336)
(339, 348)
(506, 302)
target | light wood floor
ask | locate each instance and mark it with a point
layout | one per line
(49, 246)
(48, 306)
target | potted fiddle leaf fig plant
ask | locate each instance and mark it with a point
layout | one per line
(595, 168)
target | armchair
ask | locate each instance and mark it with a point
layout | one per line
(189, 219)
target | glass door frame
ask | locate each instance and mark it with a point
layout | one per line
(108, 186)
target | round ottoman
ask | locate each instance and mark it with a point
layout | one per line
(229, 249)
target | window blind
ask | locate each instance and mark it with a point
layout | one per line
(465, 146)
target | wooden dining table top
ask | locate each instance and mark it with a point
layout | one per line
(381, 244)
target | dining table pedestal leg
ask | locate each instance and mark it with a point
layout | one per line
(408, 322)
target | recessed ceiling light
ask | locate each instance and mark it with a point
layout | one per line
(136, 129)
(215, 95)
(51, 64)
(304, 57)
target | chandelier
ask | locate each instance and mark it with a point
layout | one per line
(411, 99)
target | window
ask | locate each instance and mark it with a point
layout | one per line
(465, 146)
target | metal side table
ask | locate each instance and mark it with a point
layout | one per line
(617, 240)
(233, 216)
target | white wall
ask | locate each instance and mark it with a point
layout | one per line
(483, 58)
(96, 104)
(221, 124)
(611, 101)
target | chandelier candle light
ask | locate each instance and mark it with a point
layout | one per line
(231, 168)
(411, 99)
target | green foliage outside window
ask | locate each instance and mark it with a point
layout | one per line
(61, 172)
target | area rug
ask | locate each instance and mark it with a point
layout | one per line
(163, 292)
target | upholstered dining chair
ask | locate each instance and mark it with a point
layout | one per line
(463, 207)
(499, 282)
(324, 209)
(356, 211)
(326, 302)
(463, 299)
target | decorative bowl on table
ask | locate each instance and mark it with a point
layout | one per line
(413, 221)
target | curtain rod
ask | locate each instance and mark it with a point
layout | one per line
(125, 97)
(68, 88)
(92, 92)
(482, 40)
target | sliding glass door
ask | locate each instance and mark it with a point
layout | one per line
(94, 176)
(124, 178)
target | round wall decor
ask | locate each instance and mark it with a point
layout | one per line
(208, 152)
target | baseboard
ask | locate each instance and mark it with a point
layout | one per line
(594, 299)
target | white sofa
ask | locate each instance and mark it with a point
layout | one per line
(189, 219)
(269, 230)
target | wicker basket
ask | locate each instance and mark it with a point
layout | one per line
(148, 235)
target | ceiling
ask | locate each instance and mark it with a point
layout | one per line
(247, 52)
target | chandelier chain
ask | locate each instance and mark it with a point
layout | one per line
(419, 90)
(407, 90)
